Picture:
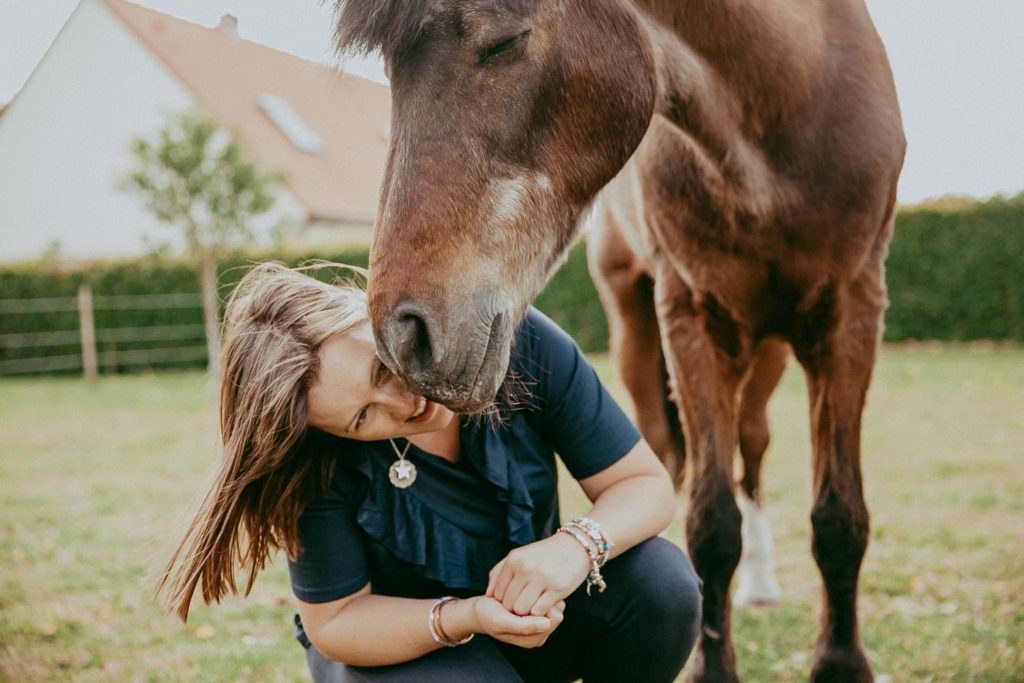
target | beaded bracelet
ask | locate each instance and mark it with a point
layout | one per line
(594, 577)
(596, 534)
(591, 550)
(434, 624)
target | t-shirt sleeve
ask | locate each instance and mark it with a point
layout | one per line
(332, 564)
(576, 414)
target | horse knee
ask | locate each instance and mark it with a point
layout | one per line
(713, 534)
(840, 538)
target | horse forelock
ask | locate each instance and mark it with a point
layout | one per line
(391, 26)
(386, 25)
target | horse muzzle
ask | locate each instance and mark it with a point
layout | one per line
(459, 366)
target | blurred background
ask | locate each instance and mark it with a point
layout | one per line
(149, 150)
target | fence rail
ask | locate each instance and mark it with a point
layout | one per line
(20, 340)
(97, 346)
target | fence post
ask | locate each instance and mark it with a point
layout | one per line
(211, 314)
(87, 329)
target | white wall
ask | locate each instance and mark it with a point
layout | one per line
(64, 144)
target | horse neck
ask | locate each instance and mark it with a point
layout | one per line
(763, 56)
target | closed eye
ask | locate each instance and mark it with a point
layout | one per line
(505, 48)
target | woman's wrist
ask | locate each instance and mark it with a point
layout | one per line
(589, 535)
(459, 619)
(575, 548)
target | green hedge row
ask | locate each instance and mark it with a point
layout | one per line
(957, 275)
(954, 274)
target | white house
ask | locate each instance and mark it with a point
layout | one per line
(114, 72)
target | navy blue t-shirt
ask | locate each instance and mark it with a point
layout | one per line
(445, 532)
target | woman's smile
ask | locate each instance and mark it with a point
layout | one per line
(424, 410)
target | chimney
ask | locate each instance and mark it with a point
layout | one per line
(229, 25)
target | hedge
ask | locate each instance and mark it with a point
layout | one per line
(958, 275)
(954, 274)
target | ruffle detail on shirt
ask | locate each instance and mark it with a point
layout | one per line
(491, 459)
(442, 550)
(417, 535)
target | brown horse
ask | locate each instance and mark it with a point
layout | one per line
(746, 153)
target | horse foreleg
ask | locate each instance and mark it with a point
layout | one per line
(756, 582)
(837, 346)
(705, 382)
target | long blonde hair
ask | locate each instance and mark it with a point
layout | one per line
(275, 322)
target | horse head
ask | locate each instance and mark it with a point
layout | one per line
(508, 116)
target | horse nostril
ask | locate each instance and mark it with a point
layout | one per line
(413, 343)
(416, 339)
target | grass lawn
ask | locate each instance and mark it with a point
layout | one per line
(96, 482)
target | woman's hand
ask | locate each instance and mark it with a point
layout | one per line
(534, 578)
(529, 631)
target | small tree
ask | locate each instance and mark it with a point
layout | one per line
(191, 175)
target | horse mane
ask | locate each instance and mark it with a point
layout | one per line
(364, 26)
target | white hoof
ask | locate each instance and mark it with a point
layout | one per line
(756, 582)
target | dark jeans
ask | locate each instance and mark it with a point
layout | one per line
(641, 629)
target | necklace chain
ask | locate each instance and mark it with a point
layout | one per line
(401, 453)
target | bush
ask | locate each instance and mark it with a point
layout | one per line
(955, 274)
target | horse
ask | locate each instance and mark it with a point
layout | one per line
(739, 162)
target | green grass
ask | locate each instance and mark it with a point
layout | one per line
(96, 481)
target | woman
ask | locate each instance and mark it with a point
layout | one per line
(410, 529)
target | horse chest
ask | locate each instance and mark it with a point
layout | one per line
(754, 276)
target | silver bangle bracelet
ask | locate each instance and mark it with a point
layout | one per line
(434, 624)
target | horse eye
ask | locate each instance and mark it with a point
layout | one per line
(504, 48)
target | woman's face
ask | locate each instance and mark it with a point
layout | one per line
(357, 397)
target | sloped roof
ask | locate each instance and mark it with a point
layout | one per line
(229, 76)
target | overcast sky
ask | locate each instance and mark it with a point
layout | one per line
(959, 67)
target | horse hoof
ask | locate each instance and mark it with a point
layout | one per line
(845, 665)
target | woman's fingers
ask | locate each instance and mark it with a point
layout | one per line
(511, 624)
(546, 602)
(523, 604)
(492, 578)
(523, 631)
(502, 579)
(513, 591)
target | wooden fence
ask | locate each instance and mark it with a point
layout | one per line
(98, 350)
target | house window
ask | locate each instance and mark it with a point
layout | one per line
(289, 122)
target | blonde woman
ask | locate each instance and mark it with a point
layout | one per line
(423, 545)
